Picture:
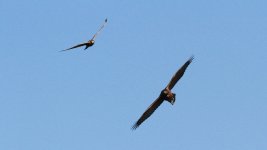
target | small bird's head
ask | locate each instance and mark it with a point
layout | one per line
(92, 41)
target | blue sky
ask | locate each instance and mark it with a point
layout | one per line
(90, 99)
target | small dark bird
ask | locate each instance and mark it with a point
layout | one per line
(165, 94)
(90, 42)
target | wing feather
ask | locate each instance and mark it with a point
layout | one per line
(79, 45)
(93, 38)
(177, 76)
(148, 112)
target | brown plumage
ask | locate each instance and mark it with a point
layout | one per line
(90, 42)
(165, 94)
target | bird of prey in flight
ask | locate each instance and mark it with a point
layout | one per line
(90, 42)
(165, 94)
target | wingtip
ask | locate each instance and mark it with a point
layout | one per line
(65, 50)
(191, 58)
(135, 126)
(106, 20)
(62, 50)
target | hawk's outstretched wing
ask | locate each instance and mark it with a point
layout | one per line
(148, 112)
(93, 38)
(177, 76)
(79, 45)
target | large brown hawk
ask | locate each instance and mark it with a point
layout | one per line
(165, 94)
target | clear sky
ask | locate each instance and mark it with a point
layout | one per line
(88, 100)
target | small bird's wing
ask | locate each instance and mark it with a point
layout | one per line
(148, 112)
(93, 38)
(177, 76)
(79, 45)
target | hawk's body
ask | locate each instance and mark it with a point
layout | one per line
(165, 94)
